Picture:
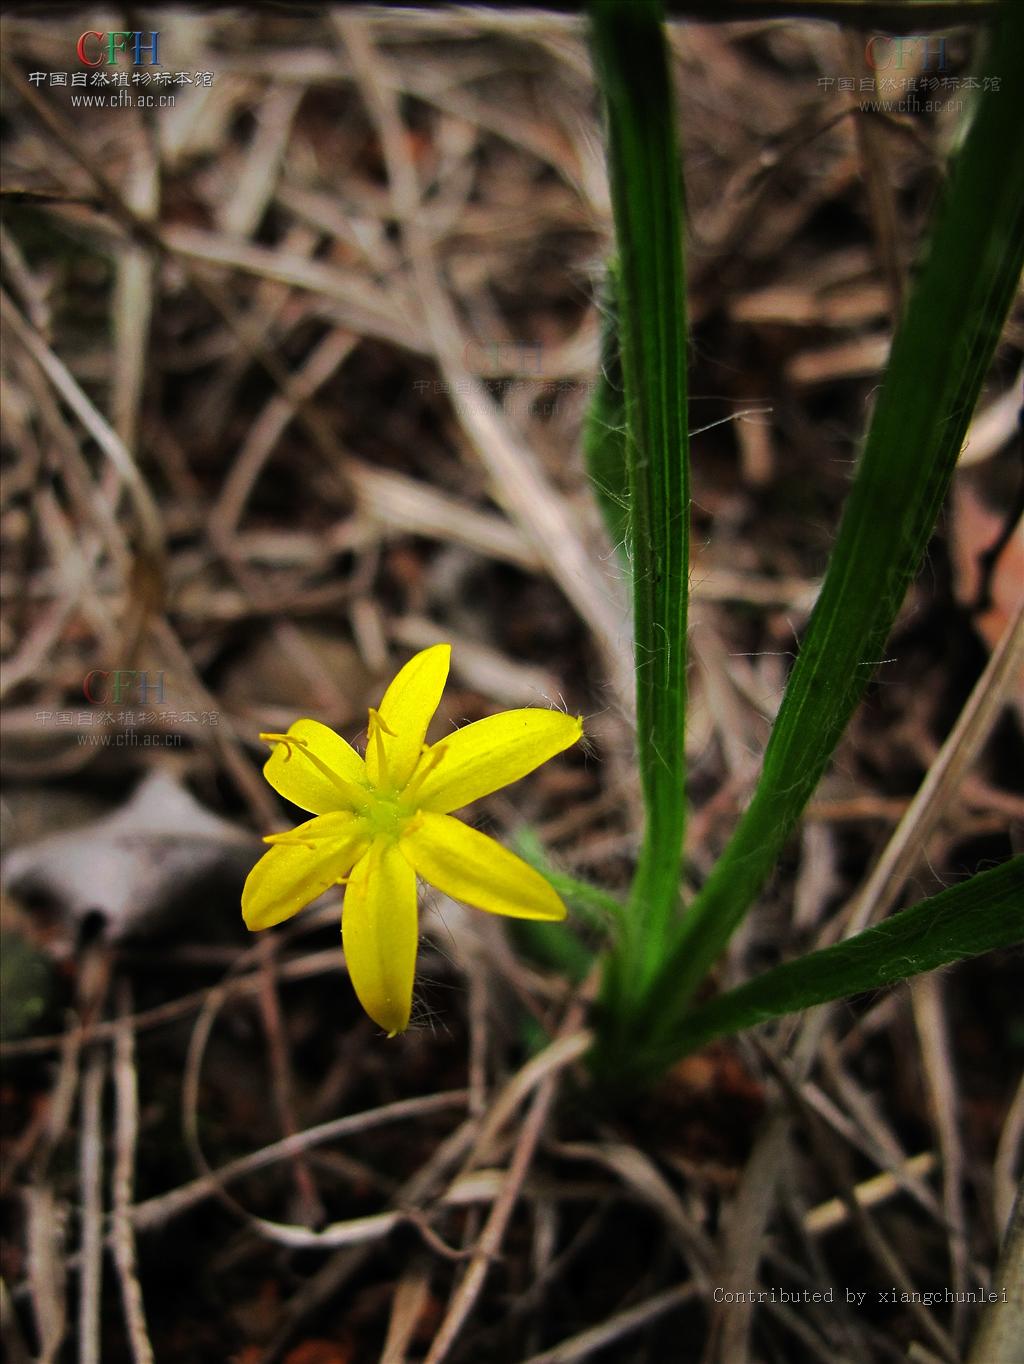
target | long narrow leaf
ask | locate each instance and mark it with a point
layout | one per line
(604, 433)
(595, 916)
(979, 915)
(633, 70)
(940, 355)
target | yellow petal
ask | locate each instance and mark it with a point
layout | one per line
(379, 934)
(489, 754)
(468, 865)
(291, 875)
(406, 711)
(296, 770)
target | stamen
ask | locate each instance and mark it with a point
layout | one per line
(433, 755)
(355, 795)
(376, 730)
(287, 739)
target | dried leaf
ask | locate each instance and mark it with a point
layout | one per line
(132, 865)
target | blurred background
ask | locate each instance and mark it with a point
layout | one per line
(301, 313)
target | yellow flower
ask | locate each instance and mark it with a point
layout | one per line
(380, 820)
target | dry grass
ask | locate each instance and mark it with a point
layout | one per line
(294, 374)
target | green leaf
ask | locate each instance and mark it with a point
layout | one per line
(553, 946)
(604, 433)
(599, 909)
(979, 915)
(633, 72)
(965, 285)
(594, 916)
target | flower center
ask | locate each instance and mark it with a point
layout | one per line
(387, 816)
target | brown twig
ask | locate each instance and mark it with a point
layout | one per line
(126, 1134)
(311, 1209)
(490, 1239)
(91, 1190)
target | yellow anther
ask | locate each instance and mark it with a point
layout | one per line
(433, 756)
(290, 840)
(357, 797)
(289, 740)
(377, 719)
(376, 729)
